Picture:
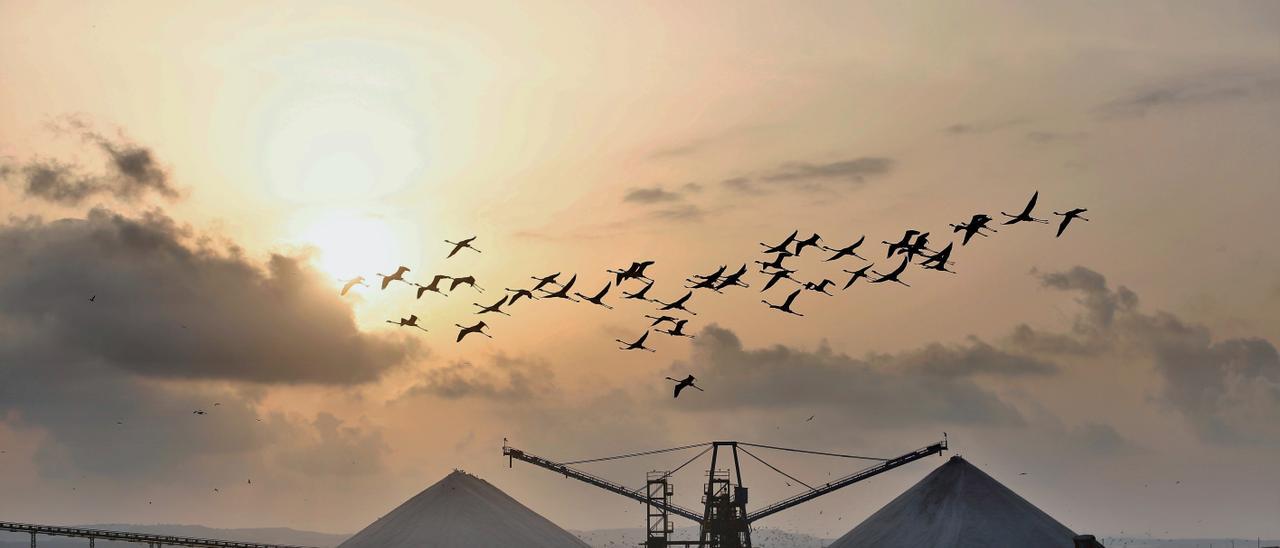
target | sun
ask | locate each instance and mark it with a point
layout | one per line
(351, 244)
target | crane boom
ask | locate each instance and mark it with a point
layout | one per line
(847, 481)
(516, 454)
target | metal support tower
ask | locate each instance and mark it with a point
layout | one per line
(658, 491)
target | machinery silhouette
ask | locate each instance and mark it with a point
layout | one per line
(724, 521)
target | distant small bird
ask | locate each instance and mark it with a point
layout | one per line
(215, 490)
(563, 292)
(1066, 219)
(465, 280)
(397, 277)
(495, 307)
(598, 299)
(847, 251)
(677, 304)
(810, 419)
(358, 280)
(516, 294)
(660, 319)
(782, 247)
(678, 330)
(198, 412)
(411, 321)
(477, 328)
(681, 384)
(811, 241)
(458, 245)
(544, 281)
(786, 306)
(93, 299)
(1025, 216)
(859, 273)
(820, 287)
(434, 286)
(642, 295)
(637, 345)
(893, 276)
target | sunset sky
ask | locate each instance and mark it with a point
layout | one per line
(211, 171)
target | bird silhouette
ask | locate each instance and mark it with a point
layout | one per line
(1067, 217)
(495, 307)
(358, 280)
(734, 279)
(681, 384)
(478, 328)
(635, 271)
(397, 277)
(545, 281)
(811, 241)
(786, 306)
(516, 294)
(434, 286)
(776, 275)
(708, 281)
(782, 247)
(637, 345)
(199, 412)
(847, 251)
(940, 260)
(893, 276)
(820, 287)
(976, 225)
(677, 304)
(458, 245)
(917, 247)
(641, 295)
(659, 319)
(465, 280)
(598, 299)
(1025, 216)
(855, 274)
(93, 299)
(678, 330)
(563, 292)
(411, 321)
(776, 263)
(905, 242)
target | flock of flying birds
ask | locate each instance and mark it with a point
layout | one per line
(634, 284)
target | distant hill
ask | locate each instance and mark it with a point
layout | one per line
(764, 537)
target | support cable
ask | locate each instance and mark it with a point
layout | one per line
(639, 454)
(806, 451)
(775, 469)
(686, 463)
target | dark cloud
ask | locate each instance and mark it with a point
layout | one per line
(1193, 91)
(932, 386)
(1228, 390)
(975, 128)
(854, 170)
(505, 378)
(166, 308)
(741, 185)
(650, 195)
(681, 213)
(131, 173)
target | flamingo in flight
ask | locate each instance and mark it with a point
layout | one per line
(598, 299)
(859, 273)
(397, 277)
(681, 384)
(517, 294)
(495, 307)
(563, 292)
(641, 295)
(637, 345)
(459, 245)
(411, 321)
(1025, 216)
(786, 305)
(904, 243)
(434, 286)
(811, 241)
(1067, 217)
(549, 279)
(847, 251)
(358, 280)
(734, 279)
(678, 304)
(678, 330)
(778, 275)
(782, 247)
(478, 328)
(893, 276)
(465, 280)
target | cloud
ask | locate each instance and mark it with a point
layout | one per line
(505, 378)
(854, 170)
(1216, 88)
(166, 308)
(1227, 390)
(681, 213)
(131, 173)
(1050, 137)
(975, 128)
(930, 386)
(742, 185)
(650, 195)
(332, 448)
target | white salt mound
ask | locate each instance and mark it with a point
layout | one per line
(958, 506)
(462, 511)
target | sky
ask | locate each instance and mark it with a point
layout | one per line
(212, 172)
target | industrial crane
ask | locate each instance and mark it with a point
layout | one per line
(724, 521)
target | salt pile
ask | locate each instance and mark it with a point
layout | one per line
(958, 506)
(462, 511)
